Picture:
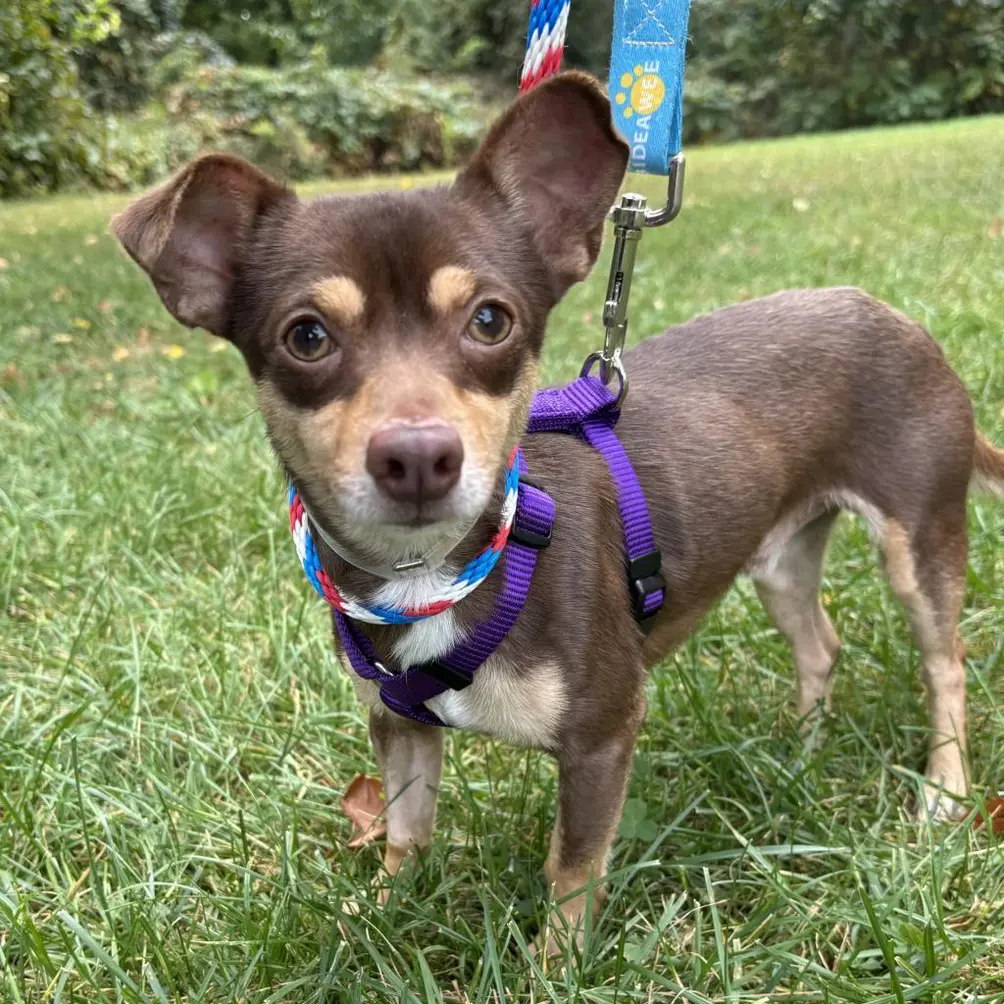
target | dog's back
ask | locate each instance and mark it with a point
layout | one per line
(752, 427)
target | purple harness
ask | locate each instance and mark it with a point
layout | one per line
(587, 409)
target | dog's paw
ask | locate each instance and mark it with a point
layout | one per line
(556, 945)
(938, 806)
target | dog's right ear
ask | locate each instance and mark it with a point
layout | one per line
(190, 233)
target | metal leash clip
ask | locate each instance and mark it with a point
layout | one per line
(630, 216)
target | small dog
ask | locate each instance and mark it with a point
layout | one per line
(393, 341)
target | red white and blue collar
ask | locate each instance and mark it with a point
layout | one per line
(465, 582)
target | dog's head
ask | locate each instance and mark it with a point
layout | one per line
(393, 338)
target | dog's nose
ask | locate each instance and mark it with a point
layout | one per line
(415, 463)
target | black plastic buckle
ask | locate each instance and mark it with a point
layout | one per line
(446, 675)
(538, 541)
(644, 579)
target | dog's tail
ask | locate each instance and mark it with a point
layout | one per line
(988, 467)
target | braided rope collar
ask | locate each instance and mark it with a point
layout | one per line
(465, 582)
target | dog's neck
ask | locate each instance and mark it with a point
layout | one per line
(394, 561)
(373, 576)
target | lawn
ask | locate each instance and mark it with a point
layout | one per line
(175, 734)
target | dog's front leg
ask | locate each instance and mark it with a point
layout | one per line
(411, 759)
(592, 783)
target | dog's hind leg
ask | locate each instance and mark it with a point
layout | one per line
(411, 760)
(927, 568)
(788, 585)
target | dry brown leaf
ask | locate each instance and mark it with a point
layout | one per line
(143, 337)
(995, 809)
(996, 228)
(362, 803)
(106, 306)
(59, 294)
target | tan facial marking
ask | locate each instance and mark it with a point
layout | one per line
(450, 288)
(340, 298)
(331, 441)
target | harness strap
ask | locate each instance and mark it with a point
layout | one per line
(406, 691)
(588, 409)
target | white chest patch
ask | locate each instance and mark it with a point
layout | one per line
(524, 708)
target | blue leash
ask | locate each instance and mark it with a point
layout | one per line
(646, 79)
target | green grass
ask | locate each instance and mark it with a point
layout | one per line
(175, 734)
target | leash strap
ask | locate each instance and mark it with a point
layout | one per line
(588, 409)
(545, 41)
(646, 79)
(406, 691)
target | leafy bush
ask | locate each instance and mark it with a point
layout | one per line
(310, 118)
(48, 137)
(769, 67)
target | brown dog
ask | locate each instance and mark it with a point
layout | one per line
(393, 341)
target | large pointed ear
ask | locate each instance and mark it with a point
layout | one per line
(190, 233)
(556, 160)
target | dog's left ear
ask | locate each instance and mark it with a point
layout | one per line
(555, 159)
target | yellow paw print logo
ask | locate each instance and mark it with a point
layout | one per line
(643, 92)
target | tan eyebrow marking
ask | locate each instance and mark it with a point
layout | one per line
(341, 298)
(450, 288)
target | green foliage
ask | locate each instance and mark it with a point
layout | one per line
(769, 67)
(311, 119)
(47, 135)
(280, 32)
(118, 73)
(755, 68)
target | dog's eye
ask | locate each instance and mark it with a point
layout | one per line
(308, 341)
(490, 324)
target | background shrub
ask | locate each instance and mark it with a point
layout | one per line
(114, 92)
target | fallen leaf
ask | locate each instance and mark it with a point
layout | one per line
(90, 241)
(362, 803)
(995, 808)
(59, 294)
(799, 204)
(172, 351)
(10, 375)
(63, 338)
(106, 306)
(80, 322)
(143, 337)
(4, 264)
(119, 353)
(996, 228)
